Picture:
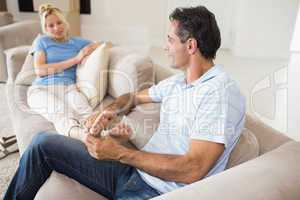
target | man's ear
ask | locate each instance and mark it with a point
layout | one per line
(192, 46)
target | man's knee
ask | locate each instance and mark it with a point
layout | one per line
(43, 140)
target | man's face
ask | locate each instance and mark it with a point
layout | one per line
(176, 50)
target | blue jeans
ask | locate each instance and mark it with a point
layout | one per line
(48, 152)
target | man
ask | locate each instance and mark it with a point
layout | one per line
(202, 114)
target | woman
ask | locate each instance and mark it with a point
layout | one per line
(53, 93)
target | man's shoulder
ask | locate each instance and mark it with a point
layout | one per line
(173, 79)
(221, 81)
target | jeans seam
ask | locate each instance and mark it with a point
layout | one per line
(77, 171)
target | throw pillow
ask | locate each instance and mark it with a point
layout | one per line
(246, 149)
(92, 75)
(129, 72)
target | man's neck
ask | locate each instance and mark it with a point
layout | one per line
(197, 68)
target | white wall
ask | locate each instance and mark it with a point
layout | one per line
(146, 21)
(251, 28)
(139, 22)
(263, 29)
(293, 84)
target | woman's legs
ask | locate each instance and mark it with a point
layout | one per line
(49, 102)
(78, 102)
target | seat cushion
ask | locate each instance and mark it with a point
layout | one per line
(59, 186)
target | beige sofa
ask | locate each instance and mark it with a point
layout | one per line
(13, 34)
(273, 174)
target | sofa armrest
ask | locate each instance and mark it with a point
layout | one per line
(274, 175)
(5, 18)
(15, 58)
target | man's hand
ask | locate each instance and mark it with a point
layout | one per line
(104, 148)
(121, 132)
(96, 125)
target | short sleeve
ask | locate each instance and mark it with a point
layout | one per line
(38, 45)
(81, 42)
(163, 88)
(210, 119)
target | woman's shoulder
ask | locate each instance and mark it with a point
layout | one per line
(79, 39)
(41, 41)
(41, 38)
(81, 42)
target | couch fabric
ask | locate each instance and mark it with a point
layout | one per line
(6, 18)
(128, 72)
(273, 174)
(14, 35)
(91, 75)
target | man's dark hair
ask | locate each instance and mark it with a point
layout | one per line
(199, 23)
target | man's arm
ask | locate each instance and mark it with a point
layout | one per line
(188, 168)
(122, 105)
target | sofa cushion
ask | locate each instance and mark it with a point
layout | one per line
(267, 137)
(128, 72)
(59, 186)
(246, 149)
(92, 75)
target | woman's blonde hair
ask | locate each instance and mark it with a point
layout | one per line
(47, 9)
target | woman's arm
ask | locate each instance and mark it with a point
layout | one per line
(44, 69)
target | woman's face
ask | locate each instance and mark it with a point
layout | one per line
(55, 27)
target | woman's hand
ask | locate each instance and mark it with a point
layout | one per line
(97, 122)
(86, 51)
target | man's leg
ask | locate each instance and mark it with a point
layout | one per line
(134, 188)
(68, 156)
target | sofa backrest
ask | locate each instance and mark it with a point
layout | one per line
(267, 137)
(13, 35)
